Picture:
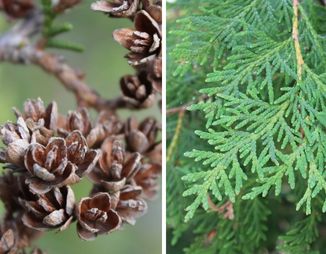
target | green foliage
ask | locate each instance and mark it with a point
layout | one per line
(243, 234)
(261, 127)
(300, 236)
(52, 30)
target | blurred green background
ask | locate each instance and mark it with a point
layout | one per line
(104, 64)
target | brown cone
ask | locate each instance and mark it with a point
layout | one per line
(7, 242)
(115, 167)
(36, 192)
(141, 137)
(52, 210)
(117, 8)
(17, 8)
(144, 42)
(106, 125)
(35, 111)
(61, 162)
(147, 177)
(76, 120)
(16, 137)
(13, 187)
(154, 70)
(96, 216)
(137, 90)
(15, 236)
(129, 204)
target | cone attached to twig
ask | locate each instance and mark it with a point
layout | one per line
(137, 90)
(115, 167)
(52, 210)
(61, 162)
(96, 216)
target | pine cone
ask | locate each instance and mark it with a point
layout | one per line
(35, 124)
(155, 155)
(117, 8)
(145, 41)
(7, 242)
(137, 90)
(106, 125)
(52, 210)
(76, 120)
(17, 8)
(155, 74)
(147, 178)
(61, 162)
(96, 216)
(47, 152)
(13, 187)
(129, 204)
(114, 168)
(17, 138)
(141, 138)
(16, 236)
(36, 112)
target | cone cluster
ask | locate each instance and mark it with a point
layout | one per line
(144, 43)
(46, 153)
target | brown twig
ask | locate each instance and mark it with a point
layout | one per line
(226, 209)
(15, 47)
(184, 107)
(175, 110)
(70, 78)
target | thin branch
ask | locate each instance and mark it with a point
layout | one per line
(184, 107)
(175, 137)
(226, 209)
(15, 47)
(295, 36)
(175, 110)
(68, 76)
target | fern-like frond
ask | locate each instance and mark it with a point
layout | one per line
(261, 119)
(255, 72)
